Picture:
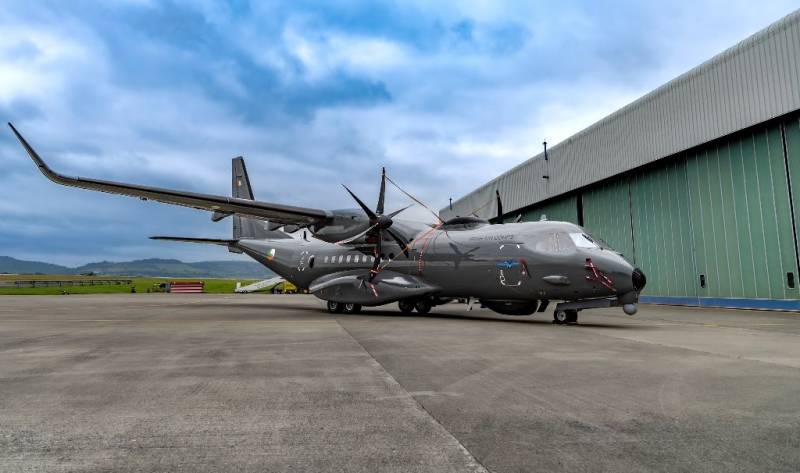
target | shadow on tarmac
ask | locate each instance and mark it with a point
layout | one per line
(538, 319)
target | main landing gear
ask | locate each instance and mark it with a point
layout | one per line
(340, 307)
(563, 317)
(407, 306)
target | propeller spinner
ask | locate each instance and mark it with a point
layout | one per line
(380, 226)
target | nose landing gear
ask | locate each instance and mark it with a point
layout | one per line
(563, 317)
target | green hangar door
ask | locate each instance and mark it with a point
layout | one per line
(741, 214)
(720, 221)
(791, 131)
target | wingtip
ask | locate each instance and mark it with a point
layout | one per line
(43, 167)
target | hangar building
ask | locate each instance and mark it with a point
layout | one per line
(697, 182)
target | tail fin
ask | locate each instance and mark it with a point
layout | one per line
(244, 227)
(241, 182)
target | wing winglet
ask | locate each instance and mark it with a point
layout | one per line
(43, 167)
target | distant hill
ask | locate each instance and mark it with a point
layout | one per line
(152, 267)
(18, 266)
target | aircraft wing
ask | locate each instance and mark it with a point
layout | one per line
(276, 213)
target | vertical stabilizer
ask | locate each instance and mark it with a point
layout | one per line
(241, 182)
(244, 227)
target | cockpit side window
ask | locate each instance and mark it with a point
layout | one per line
(583, 240)
(554, 243)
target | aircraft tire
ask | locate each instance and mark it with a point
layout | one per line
(335, 307)
(423, 306)
(406, 306)
(351, 308)
(563, 317)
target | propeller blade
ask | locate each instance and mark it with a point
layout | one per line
(363, 206)
(399, 239)
(382, 194)
(497, 219)
(398, 211)
(518, 219)
(356, 237)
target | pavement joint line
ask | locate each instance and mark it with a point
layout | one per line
(477, 465)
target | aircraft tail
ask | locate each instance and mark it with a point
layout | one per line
(244, 227)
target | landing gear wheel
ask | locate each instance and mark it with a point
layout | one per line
(423, 306)
(406, 306)
(335, 307)
(562, 317)
(351, 308)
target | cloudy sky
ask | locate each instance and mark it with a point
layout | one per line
(446, 95)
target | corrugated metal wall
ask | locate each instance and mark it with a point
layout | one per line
(751, 83)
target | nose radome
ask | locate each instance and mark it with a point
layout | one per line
(638, 278)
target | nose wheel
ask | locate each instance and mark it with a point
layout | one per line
(563, 317)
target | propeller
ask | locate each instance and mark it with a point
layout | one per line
(498, 219)
(379, 226)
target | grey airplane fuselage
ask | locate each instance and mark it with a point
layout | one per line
(514, 261)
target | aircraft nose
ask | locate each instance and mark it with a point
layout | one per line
(639, 280)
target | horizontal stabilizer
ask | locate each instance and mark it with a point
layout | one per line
(207, 241)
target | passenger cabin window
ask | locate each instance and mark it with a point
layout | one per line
(341, 258)
(325, 259)
(348, 258)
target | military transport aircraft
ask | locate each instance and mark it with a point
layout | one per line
(368, 257)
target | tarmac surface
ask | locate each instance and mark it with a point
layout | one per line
(275, 383)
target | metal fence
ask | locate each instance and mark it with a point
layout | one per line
(65, 283)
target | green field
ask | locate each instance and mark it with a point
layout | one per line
(142, 285)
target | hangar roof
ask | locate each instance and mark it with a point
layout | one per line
(752, 82)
